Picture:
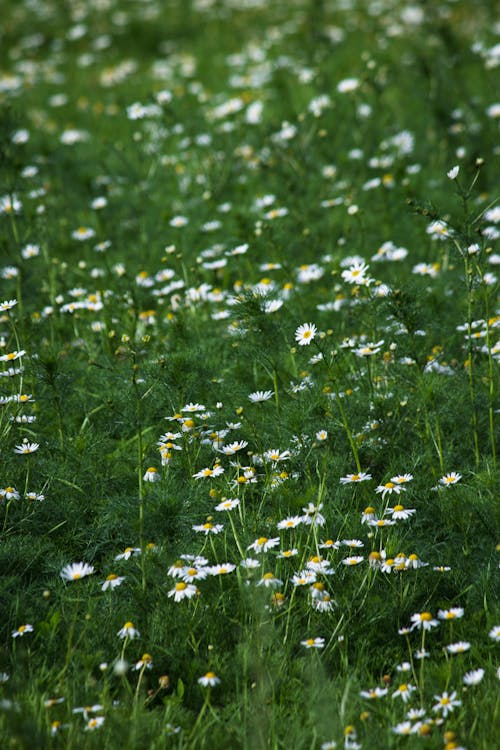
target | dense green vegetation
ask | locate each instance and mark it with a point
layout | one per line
(248, 374)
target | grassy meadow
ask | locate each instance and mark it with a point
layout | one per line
(249, 368)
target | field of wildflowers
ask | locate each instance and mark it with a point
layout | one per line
(249, 362)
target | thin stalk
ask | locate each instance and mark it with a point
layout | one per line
(470, 370)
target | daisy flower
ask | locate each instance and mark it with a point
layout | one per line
(313, 642)
(356, 274)
(75, 571)
(182, 591)
(207, 472)
(458, 648)
(400, 513)
(450, 614)
(112, 582)
(388, 488)
(269, 580)
(353, 560)
(7, 305)
(423, 620)
(451, 478)
(263, 544)
(221, 569)
(209, 528)
(305, 334)
(83, 233)
(290, 523)
(151, 475)
(373, 693)
(209, 679)
(94, 723)
(128, 631)
(258, 397)
(145, 661)
(494, 633)
(128, 552)
(404, 692)
(232, 448)
(473, 677)
(446, 703)
(22, 630)
(351, 478)
(227, 504)
(402, 478)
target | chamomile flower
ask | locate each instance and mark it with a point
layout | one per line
(313, 642)
(182, 591)
(151, 475)
(473, 677)
(290, 523)
(402, 478)
(209, 679)
(22, 630)
(232, 448)
(374, 693)
(83, 233)
(7, 305)
(453, 613)
(381, 523)
(227, 504)
(128, 631)
(75, 571)
(95, 723)
(269, 580)
(423, 620)
(305, 334)
(446, 703)
(369, 514)
(388, 488)
(353, 560)
(128, 553)
(356, 274)
(404, 692)
(361, 476)
(494, 633)
(263, 544)
(209, 472)
(451, 478)
(400, 513)
(258, 397)
(208, 528)
(458, 648)
(112, 582)
(145, 662)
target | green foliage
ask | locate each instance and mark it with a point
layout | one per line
(248, 375)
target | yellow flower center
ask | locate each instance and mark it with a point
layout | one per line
(389, 485)
(261, 540)
(180, 586)
(425, 616)
(128, 625)
(112, 577)
(398, 508)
